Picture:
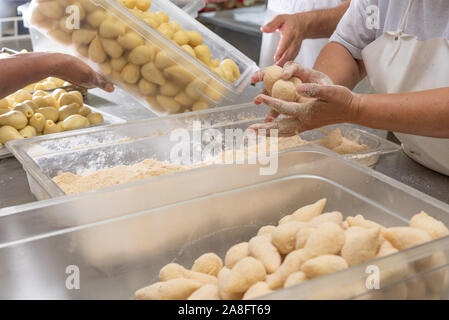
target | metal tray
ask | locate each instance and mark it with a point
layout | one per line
(108, 119)
(89, 150)
(120, 238)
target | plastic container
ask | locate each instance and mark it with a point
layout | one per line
(198, 85)
(108, 119)
(43, 158)
(120, 238)
(42, 42)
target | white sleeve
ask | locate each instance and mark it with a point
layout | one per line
(352, 32)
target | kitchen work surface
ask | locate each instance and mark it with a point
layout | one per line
(240, 27)
(120, 243)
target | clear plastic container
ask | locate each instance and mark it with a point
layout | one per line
(108, 119)
(86, 151)
(189, 84)
(120, 238)
(42, 43)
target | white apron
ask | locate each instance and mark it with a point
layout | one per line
(398, 63)
(310, 48)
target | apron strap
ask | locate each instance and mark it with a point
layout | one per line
(404, 18)
(400, 30)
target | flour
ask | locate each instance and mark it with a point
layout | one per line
(76, 183)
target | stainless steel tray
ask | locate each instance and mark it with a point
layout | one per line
(108, 119)
(120, 238)
(44, 157)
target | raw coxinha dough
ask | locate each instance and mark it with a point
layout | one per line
(307, 245)
(32, 111)
(280, 88)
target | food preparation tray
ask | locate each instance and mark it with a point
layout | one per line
(126, 144)
(108, 119)
(118, 239)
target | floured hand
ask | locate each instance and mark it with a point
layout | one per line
(293, 69)
(307, 75)
(331, 104)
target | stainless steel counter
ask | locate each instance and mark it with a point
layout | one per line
(400, 167)
(243, 20)
(239, 27)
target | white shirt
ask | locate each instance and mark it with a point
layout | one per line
(428, 19)
(293, 6)
(310, 48)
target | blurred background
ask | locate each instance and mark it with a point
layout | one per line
(13, 34)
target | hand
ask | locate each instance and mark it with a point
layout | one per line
(293, 28)
(330, 103)
(75, 71)
(293, 69)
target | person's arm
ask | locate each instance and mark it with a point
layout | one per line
(322, 23)
(294, 28)
(20, 70)
(337, 63)
(424, 113)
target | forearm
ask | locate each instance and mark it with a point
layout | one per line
(423, 113)
(338, 64)
(322, 23)
(21, 70)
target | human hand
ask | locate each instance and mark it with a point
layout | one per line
(307, 75)
(292, 69)
(332, 104)
(327, 103)
(75, 71)
(293, 29)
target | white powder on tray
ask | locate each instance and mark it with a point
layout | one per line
(76, 183)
